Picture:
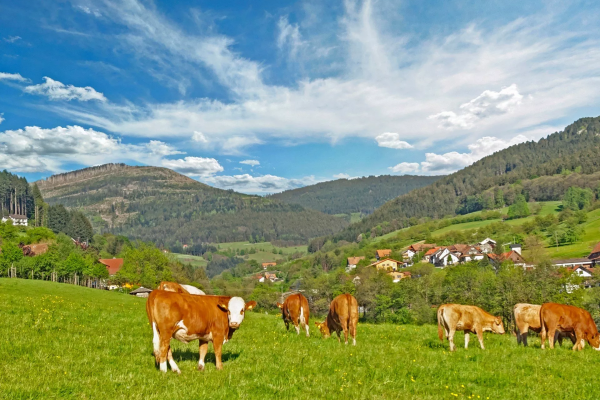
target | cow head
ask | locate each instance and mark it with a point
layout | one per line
(235, 309)
(594, 340)
(323, 328)
(498, 326)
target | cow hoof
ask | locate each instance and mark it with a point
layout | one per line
(200, 367)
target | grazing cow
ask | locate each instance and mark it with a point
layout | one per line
(565, 318)
(295, 310)
(342, 316)
(527, 318)
(187, 317)
(179, 288)
(470, 319)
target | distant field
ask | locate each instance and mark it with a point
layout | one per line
(79, 343)
(264, 251)
(195, 261)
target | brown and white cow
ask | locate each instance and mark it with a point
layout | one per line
(295, 310)
(179, 288)
(470, 319)
(565, 318)
(527, 318)
(188, 317)
(342, 316)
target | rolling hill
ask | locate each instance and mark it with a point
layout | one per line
(537, 170)
(165, 207)
(359, 195)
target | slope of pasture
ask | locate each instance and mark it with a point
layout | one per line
(264, 250)
(194, 261)
(59, 341)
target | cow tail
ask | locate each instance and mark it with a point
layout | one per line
(440, 315)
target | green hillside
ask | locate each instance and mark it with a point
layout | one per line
(357, 195)
(75, 342)
(540, 171)
(162, 206)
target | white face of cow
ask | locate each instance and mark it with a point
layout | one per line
(236, 308)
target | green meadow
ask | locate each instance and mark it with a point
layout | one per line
(59, 341)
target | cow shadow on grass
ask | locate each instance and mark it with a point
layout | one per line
(194, 355)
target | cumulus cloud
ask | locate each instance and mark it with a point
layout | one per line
(161, 148)
(252, 163)
(487, 104)
(11, 77)
(1, 118)
(451, 161)
(341, 176)
(56, 90)
(392, 140)
(405, 168)
(199, 137)
(194, 166)
(247, 183)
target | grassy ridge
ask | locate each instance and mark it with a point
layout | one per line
(61, 341)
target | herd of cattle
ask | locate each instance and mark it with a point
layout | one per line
(184, 313)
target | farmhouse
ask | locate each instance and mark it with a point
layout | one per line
(387, 264)
(415, 248)
(595, 254)
(512, 255)
(398, 276)
(141, 292)
(444, 257)
(16, 219)
(429, 253)
(112, 264)
(268, 264)
(379, 254)
(352, 262)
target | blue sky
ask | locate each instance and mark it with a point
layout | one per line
(265, 96)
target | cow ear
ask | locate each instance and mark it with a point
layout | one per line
(279, 305)
(250, 305)
(317, 324)
(498, 320)
(223, 306)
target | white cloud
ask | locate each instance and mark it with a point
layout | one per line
(11, 77)
(392, 140)
(289, 36)
(56, 90)
(194, 166)
(161, 148)
(487, 104)
(246, 183)
(341, 176)
(199, 137)
(252, 163)
(1, 118)
(90, 11)
(12, 39)
(405, 168)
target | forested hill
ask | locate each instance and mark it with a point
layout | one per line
(359, 195)
(494, 180)
(165, 207)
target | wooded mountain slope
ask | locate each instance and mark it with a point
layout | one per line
(576, 148)
(345, 196)
(165, 207)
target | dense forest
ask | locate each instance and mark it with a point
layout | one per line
(16, 196)
(162, 206)
(532, 169)
(359, 195)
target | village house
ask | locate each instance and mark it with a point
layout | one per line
(141, 292)
(268, 264)
(398, 276)
(352, 262)
(415, 248)
(387, 264)
(16, 219)
(379, 254)
(512, 255)
(266, 276)
(573, 262)
(487, 245)
(595, 254)
(112, 264)
(444, 257)
(429, 253)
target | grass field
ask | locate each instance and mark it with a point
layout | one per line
(264, 251)
(195, 261)
(59, 341)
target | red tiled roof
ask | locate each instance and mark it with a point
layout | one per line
(596, 249)
(383, 253)
(355, 260)
(112, 264)
(431, 251)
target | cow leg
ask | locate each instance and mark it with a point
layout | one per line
(174, 366)
(451, 340)
(551, 333)
(353, 333)
(163, 351)
(559, 337)
(467, 337)
(306, 327)
(480, 337)
(203, 351)
(217, 345)
(339, 336)
(287, 325)
(297, 326)
(345, 328)
(155, 342)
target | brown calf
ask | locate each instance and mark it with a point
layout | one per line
(527, 318)
(295, 310)
(565, 318)
(188, 317)
(470, 319)
(342, 316)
